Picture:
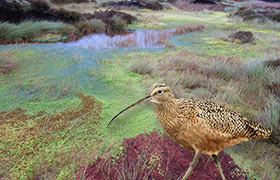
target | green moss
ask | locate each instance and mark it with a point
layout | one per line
(124, 88)
(215, 46)
(50, 38)
(172, 18)
(29, 30)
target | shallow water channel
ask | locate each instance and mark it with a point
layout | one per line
(73, 65)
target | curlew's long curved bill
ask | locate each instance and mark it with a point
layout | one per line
(137, 102)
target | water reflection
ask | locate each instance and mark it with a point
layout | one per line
(140, 38)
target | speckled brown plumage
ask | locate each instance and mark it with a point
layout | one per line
(201, 124)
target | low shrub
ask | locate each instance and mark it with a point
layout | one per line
(115, 25)
(105, 15)
(91, 26)
(142, 4)
(68, 16)
(156, 156)
(275, 63)
(39, 4)
(188, 6)
(249, 14)
(243, 37)
(69, 1)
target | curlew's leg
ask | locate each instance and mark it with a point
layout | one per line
(192, 165)
(217, 163)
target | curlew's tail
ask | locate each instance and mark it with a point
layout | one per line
(257, 131)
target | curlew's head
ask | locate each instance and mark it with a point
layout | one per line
(158, 94)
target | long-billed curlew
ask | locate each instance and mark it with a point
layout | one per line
(199, 125)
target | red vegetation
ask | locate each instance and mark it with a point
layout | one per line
(156, 156)
(187, 28)
(187, 6)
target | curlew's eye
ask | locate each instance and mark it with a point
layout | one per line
(160, 91)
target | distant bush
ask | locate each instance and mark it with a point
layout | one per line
(68, 16)
(156, 156)
(142, 4)
(108, 14)
(40, 4)
(91, 26)
(243, 37)
(188, 6)
(69, 1)
(115, 25)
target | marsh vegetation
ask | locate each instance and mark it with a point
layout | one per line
(57, 98)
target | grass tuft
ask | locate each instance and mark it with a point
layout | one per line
(29, 30)
(91, 26)
(141, 66)
(188, 28)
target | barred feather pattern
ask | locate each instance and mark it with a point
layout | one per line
(203, 125)
(223, 119)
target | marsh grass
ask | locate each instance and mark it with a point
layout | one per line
(186, 28)
(243, 87)
(91, 26)
(141, 66)
(32, 152)
(52, 129)
(116, 25)
(255, 155)
(54, 143)
(29, 30)
(232, 82)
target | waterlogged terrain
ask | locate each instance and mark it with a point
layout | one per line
(56, 99)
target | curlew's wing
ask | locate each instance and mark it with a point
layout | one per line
(224, 120)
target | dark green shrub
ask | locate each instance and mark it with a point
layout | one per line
(115, 25)
(69, 16)
(69, 1)
(91, 26)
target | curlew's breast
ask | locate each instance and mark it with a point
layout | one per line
(193, 135)
(208, 141)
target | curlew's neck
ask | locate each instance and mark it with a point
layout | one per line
(166, 109)
(166, 113)
(167, 106)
